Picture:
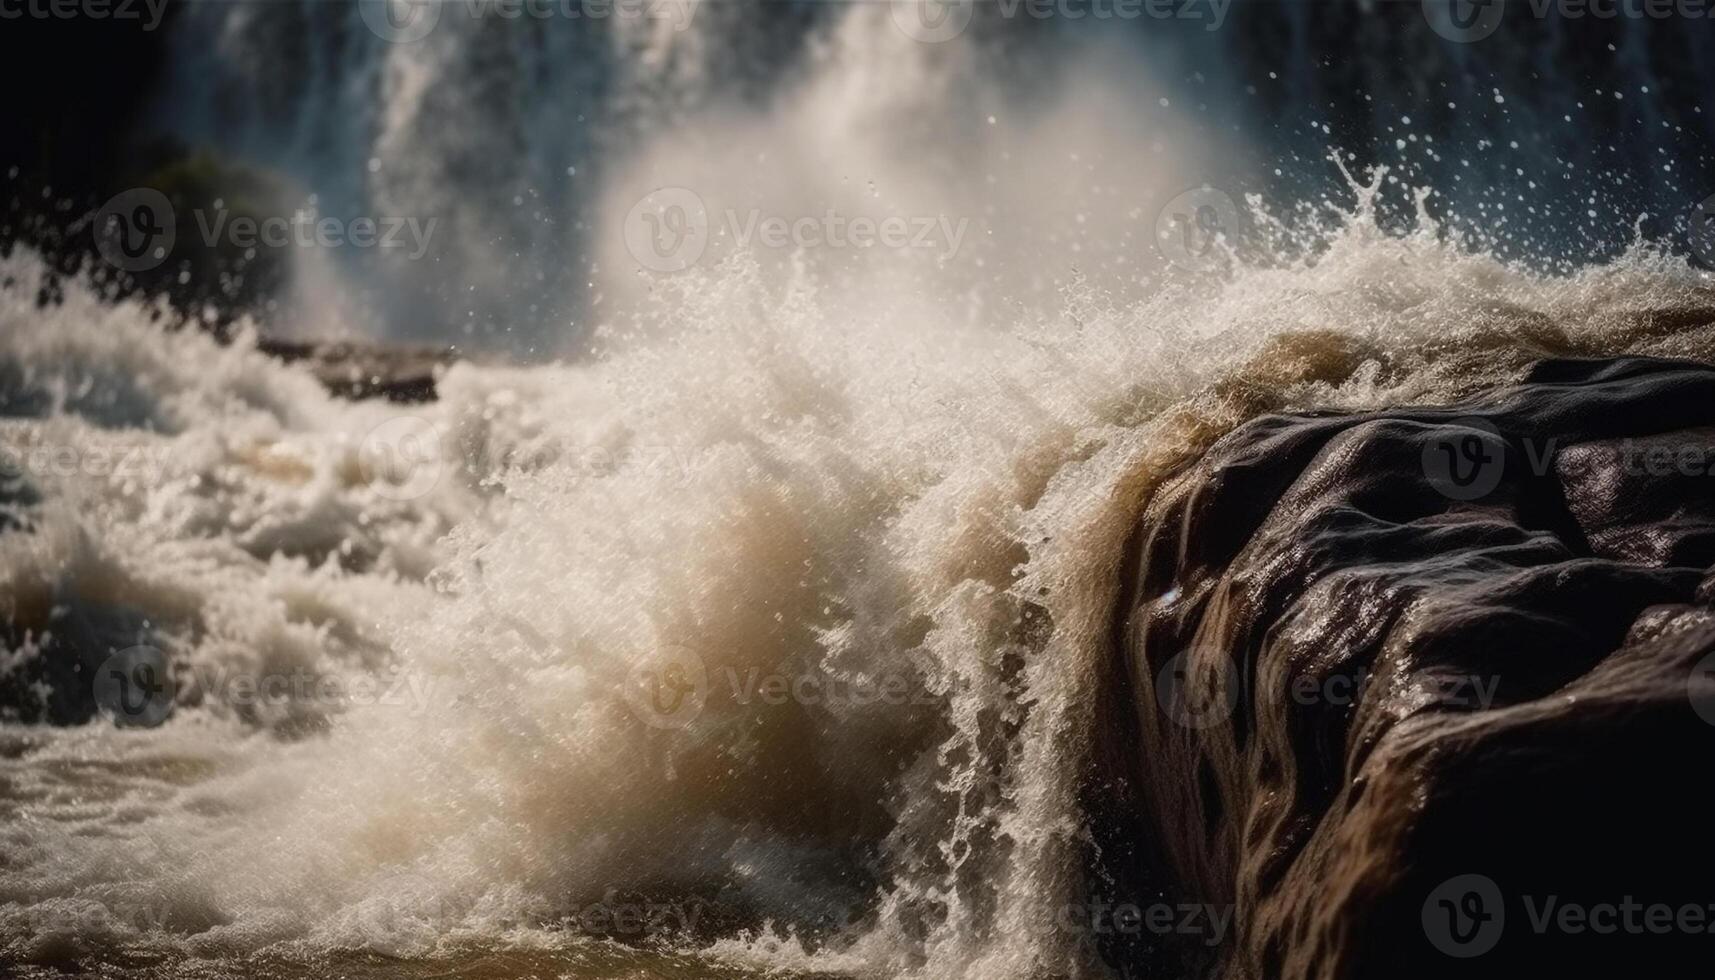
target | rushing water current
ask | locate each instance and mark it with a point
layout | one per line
(760, 631)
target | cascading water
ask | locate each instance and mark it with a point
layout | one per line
(527, 136)
(892, 487)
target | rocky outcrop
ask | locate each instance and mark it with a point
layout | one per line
(1430, 692)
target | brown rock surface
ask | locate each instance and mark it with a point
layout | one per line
(1366, 655)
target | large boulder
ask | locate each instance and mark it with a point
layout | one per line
(1428, 692)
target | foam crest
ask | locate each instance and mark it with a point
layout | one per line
(770, 490)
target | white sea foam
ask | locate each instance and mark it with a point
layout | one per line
(765, 490)
(902, 492)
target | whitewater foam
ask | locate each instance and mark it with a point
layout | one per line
(768, 486)
(895, 490)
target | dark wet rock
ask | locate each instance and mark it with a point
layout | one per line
(1392, 683)
(397, 373)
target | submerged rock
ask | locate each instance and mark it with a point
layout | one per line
(1431, 691)
(357, 371)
